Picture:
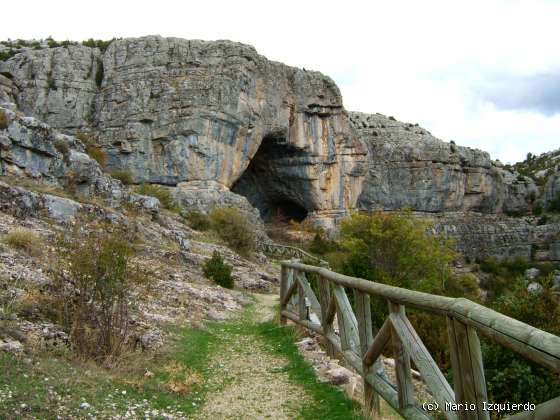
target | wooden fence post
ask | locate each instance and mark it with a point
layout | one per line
(365, 331)
(302, 309)
(402, 363)
(468, 370)
(325, 299)
(283, 290)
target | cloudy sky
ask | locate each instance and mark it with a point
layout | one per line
(483, 73)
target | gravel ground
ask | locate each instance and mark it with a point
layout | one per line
(249, 382)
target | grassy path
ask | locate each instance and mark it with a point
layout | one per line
(258, 373)
(247, 368)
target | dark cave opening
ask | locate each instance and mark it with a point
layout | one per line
(273, 182)
(283, 211)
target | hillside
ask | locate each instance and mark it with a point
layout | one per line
(140, 181)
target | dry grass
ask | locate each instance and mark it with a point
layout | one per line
(24, 240)
(3, 120)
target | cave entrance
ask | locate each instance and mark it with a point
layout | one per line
(275, 181)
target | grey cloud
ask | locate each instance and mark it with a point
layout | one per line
(539, 92)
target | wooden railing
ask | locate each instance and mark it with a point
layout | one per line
(361, 344)
(279, 251)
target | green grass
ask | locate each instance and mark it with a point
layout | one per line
(49, 386)
(329, 402)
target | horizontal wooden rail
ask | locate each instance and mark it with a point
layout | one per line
(535, 344)
(361, 345)
(286, 251)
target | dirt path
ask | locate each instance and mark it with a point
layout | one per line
(248, 381)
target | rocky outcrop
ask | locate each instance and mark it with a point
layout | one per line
(171, 110)
(480, 235)
(223, 125)
(551, 191)
(30, 148)
(408, 167)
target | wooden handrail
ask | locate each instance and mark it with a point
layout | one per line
(287, 251)
(361, 349)
(507, 331)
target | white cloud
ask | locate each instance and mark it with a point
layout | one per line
(419, 61)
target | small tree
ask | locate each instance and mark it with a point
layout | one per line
(395, 249)
(93, 288)
(216, 269)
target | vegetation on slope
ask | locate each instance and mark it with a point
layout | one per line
(182, 382)
(394, 248)
(539, 168)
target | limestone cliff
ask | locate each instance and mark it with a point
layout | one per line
(408, 167)
(218, 121)
(171, 110)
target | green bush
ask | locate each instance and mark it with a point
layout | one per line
(464, 285)
(218, 271)
(98, 43)
(509, 376)
(3, 120)
(395, 249)
(321, 245)
(554, 205)
(93, 289)
(198, 220)
(51, 85)
(124, 176)
(159, 192)
(234, 228)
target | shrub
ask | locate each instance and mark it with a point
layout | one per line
(98, 43)
(234, 228)
(93, 287)
(159, 192)
(62, 147)
(93, 150)
(510, 376)
(198, 220)
(395, 249)
(464, 285)
(554, 204)
(321, 245)
(97, 154)
(537, 210)
(3, 120)
(218, 271)
(124, 176)
(24, 240)
(51, 85)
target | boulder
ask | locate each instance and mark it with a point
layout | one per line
(534, 287)
(532, 273)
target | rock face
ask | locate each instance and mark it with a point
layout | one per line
(551, 191)
(30, 148)
(480, 235)
(225, 126)
(170, 110)
(408, 167)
